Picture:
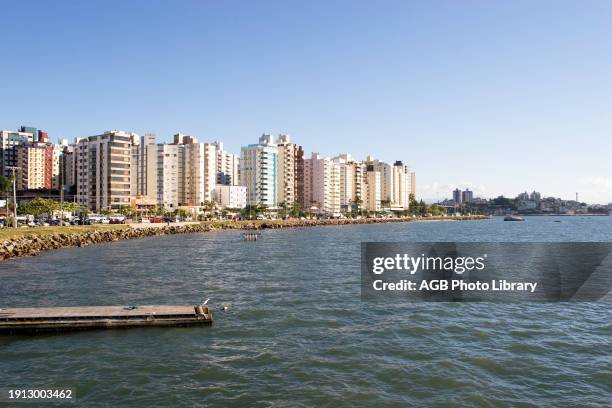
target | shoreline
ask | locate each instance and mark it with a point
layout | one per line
(27, 242)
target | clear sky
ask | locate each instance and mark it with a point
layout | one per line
(499, 96)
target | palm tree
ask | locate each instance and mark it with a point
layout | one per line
(6, 186)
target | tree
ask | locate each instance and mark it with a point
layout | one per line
(181, 213)
(38, 207)
(295, 209)
(127, 211)
(282, 209)
(6, 186)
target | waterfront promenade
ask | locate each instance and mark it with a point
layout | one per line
(27, 242)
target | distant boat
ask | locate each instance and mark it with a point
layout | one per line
(513, 218)
(251, 236)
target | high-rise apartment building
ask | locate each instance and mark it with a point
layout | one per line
(373, 189)
(347, 168)
(170, 169)
(400, 197)
(103, 170)
(323, 183)
(259, 170)
(68, 160)
(290, 159)
(228, 166)
(32, 171)
(9, 140)
(200, 172)
(467, 196)
(180, 174)
(457, 197)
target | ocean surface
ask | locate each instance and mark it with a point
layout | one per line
(296, 332)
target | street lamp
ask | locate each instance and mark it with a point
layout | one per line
(14, 169)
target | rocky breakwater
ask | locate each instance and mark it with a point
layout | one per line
(32, 244)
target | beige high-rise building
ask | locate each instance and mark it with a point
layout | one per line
(400, 191)
(104, 170)
(373, 189)
(31, 163)
(386, 179)
(200, 174)
(287, 179)
(187, 172)
(322, 175)
(412, 181)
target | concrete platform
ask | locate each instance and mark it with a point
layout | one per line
(45, 319)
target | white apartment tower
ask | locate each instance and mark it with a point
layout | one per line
(170, 169)
(258, 172)
(347, 168)
(228, 166)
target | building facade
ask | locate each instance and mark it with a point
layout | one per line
(227, 167)
(258, 172)
(324, 184)
(9, 140)
(290, 159)
(230, 196)
(103, 170)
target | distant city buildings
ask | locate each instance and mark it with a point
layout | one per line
(457, 197)
(524, 203)
(117, 169)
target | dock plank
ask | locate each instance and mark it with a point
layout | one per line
(41, 319)
(95, 311)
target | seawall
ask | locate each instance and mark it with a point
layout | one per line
(32, 244)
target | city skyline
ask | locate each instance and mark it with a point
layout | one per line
(499, 99)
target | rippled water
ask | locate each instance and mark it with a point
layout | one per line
(296, 332)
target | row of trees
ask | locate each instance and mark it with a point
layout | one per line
(45, 206)
(418, 208)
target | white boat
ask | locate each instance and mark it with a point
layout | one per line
(513, 218)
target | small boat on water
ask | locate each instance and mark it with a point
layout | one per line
(251, 236)
(513, 218)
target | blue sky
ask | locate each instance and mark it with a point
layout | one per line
(498, 96)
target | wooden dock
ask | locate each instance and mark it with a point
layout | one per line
(50, 319)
